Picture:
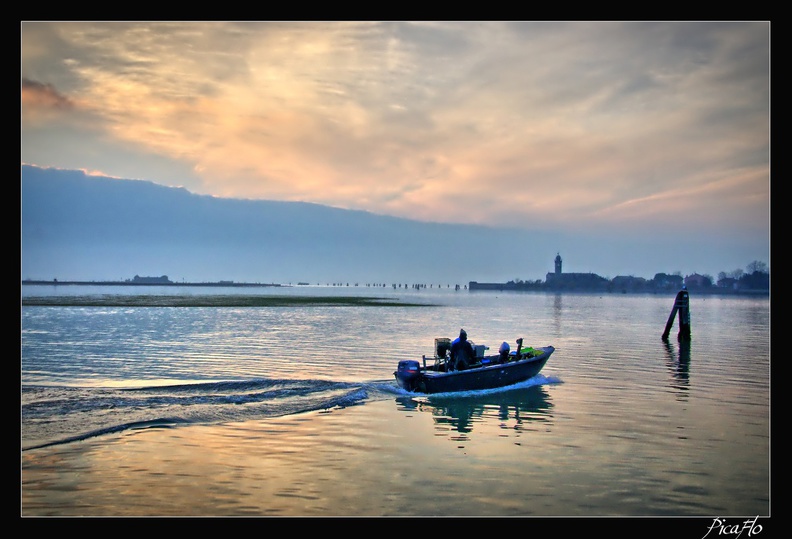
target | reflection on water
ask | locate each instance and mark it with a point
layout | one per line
(510, 409)
(557, 312)
(679, 365)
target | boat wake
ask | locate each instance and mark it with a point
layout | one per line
(60, 415)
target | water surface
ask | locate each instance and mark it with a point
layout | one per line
(293, 411)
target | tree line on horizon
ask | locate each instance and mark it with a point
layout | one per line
(756, 276)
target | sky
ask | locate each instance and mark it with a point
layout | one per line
(608, 131)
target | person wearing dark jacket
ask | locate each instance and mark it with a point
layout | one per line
(462, 353)
(503, 352)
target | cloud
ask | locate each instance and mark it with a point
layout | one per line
(567, 124)
(36, 95)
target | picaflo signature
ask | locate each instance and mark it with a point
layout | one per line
(721, 527)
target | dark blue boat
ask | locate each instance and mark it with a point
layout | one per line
(488, 372)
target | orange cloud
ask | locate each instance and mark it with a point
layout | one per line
(39, 95)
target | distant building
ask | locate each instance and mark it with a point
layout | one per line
(622, 283)
(729, 282)
(151, 280)
(696, 280)
(663, 281)
(573, 281)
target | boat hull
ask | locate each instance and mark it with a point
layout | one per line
(486, 377)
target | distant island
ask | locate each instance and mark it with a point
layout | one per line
(148, 281)
(756, 281)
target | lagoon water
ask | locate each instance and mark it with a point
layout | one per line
(293, 411)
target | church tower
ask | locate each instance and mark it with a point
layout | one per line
(558, 264)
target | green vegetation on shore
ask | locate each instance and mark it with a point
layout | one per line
(212, 301)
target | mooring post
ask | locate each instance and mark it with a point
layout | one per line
(681, 306)
(670, 322)
(683, 300)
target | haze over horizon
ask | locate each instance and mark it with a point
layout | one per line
(643, 141)
(79, 227)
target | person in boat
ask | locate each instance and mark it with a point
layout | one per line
(462, 354)
(503, 352)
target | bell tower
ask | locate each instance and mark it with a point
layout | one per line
(558, 264)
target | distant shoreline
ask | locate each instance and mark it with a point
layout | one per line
(229, 284)
(481, 288)
(227, 300)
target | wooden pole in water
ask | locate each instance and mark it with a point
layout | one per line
(670, 322)
(681, 306)
(683, 299)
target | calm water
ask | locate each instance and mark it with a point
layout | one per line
(293, 411)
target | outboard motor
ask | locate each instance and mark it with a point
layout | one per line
(407, 374)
